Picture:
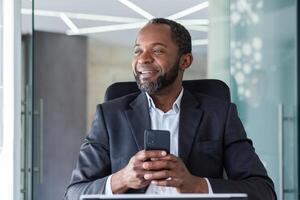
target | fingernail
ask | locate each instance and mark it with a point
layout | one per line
(163, 153)
(147, 176)
(154, 182)
(145, 165)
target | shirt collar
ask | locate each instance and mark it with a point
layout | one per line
(176, 104)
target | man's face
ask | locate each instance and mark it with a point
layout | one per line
(156, 61)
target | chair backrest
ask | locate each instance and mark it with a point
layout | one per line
(210, 87)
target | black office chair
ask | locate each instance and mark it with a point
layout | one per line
(210, 87)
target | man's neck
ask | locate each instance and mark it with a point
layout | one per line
(165, 99)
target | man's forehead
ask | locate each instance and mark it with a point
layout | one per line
(154, 33)
(155, 26)
(152, 44)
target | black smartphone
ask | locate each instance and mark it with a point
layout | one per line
(157, 140)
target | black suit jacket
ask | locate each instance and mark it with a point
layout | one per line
(211, 140)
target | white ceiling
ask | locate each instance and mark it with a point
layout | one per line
(157, 8)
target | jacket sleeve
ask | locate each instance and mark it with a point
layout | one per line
(93, 165)
(245, 171)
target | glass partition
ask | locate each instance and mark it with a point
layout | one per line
(80, 48)
(263, 66)
(27, 169)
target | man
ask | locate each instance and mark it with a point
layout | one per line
(207, 136)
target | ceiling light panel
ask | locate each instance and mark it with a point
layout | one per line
(69, 22)
(49, 13)
(106, 16)
(164, 8)
(193, 22)
(136, 9)
(50, 24)
(189, 11)
(101, 29)
(80, 23)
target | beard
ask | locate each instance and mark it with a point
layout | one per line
(161, 82)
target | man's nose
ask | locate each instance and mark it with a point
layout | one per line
(145, 58)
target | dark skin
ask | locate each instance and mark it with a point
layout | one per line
(155, 54)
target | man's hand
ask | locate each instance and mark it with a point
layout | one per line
(132, 176)
(171, 171)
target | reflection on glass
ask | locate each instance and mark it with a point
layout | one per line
(26, 99)
(264, 84)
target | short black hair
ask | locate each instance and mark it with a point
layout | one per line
(179, 34)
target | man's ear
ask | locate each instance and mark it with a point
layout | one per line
(185, 61)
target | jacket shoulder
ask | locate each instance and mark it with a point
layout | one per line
(210, 101)
(120, 102)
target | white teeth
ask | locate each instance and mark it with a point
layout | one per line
(146, 72)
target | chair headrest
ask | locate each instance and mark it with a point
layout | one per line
(211, 87)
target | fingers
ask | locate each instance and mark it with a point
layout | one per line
(158, 165)
(167, 162)
(159, 175)
(170, 157)
(138, 174)
(146, 155)
(135, 178)
(170, 182)
(134, 172)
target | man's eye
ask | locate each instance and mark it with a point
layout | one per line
(137, 51)
(158, 51)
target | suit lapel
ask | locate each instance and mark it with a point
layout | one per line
(138, 119)
(190, 117)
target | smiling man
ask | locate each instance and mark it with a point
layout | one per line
(156, 62)
(207, 137)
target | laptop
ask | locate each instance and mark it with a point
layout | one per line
(234, 196)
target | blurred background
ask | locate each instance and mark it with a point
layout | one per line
(72, 50)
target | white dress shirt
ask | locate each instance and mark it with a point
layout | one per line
(163, 121)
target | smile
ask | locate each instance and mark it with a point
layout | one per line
(147, 74)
